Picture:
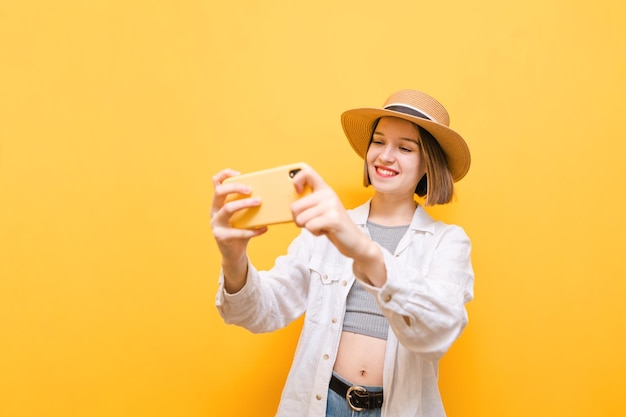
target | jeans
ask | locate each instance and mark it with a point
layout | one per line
(337, 406)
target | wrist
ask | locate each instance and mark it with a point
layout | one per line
(235, 274)
(369, 266)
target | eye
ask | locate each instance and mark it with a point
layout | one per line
(405, 149)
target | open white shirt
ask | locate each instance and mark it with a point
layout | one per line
(429, 280)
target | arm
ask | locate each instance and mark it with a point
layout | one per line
(272, 299)
(424, 297)
(231, 242)
(322, 213)
(259, 301)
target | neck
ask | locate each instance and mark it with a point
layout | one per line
(394, 211)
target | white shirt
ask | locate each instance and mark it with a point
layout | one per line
(429, 280)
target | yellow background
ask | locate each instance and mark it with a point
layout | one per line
(115, 114)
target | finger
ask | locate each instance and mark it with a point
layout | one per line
(227, 234)
(219, 194)
(315, 225)
(222, 213)
(308, 176)
(222, 190)
(308, 208)
(234, 206)
(324, 199)
(223, 174)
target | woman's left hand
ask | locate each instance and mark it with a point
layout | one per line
(322, 213)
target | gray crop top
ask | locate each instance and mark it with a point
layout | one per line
(363, 315)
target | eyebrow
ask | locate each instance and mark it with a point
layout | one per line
(402, 138)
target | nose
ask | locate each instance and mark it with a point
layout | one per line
(387, 154)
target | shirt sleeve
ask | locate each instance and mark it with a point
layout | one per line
(272, 299)
(425, 304)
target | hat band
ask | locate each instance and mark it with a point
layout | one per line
(401, 108)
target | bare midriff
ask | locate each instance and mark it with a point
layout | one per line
(360, 359)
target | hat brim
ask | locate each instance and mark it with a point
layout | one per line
(358, 125)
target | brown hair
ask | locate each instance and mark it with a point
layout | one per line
(437, 183)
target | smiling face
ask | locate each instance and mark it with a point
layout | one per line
(394, 157)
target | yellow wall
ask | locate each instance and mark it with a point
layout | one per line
(114, 115)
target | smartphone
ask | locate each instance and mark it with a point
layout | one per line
(275, 188)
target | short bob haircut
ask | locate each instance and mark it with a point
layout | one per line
(437, 184)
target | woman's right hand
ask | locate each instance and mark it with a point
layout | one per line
(232, 242)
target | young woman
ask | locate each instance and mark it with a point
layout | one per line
(383, 286)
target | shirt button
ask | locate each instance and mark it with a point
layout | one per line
(387, 298)
(344, 283)
(325, 277)
(334, 320)
(318, 397)
(326, 357)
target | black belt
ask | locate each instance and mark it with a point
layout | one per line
(358, 398)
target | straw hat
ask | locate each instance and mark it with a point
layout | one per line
(416, 107)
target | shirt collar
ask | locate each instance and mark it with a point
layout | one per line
(421, 221)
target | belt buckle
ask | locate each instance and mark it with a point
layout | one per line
(349, 396)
